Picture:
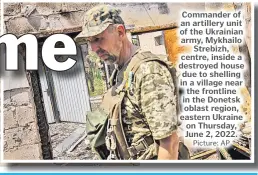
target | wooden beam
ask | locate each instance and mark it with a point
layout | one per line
(203, 154)
(147, 29)
(77, 29)
(242, 148)
(129, 28)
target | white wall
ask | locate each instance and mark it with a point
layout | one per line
(147, 42)
(13, 79)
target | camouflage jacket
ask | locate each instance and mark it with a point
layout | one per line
(149, 106)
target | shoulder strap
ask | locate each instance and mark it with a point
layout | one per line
(135, 63)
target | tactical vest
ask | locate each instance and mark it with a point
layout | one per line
(106, 123)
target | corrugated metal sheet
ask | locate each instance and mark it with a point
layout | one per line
(47, 102)
(71, 92)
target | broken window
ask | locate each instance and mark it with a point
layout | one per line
(159, 40)
(135, 40)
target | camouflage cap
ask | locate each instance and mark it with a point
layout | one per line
(97, 19)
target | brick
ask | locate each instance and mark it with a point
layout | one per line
(58, 21)
(10, 105)
(35, 21)
(43, 8)
(12, 9)
(11, 138)
(21, 98)
(73, 18)
(25, 115)
(48, 8)
(30, 152)
(5, 146)
(54, 22)
(29, 134)
(7, 95)
(7, 101)
(22, 136)
(19, 26)
(68, 7)
(9, 120)
(69, 20)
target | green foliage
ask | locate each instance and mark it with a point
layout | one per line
(94, 66)
(98, 87)
(93, 56)
(96, 73)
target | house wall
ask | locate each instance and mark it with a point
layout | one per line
(21, 136)
(147, 42)
(20, 123)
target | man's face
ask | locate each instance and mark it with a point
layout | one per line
(107, 44)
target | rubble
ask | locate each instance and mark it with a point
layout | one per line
(59, 132)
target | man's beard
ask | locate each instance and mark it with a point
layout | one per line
(111, 59)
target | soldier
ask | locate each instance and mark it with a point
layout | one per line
(149, 105)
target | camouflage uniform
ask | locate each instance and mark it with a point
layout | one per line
(149, 107)
(97, 20)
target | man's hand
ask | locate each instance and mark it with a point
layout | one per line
(168, 148)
